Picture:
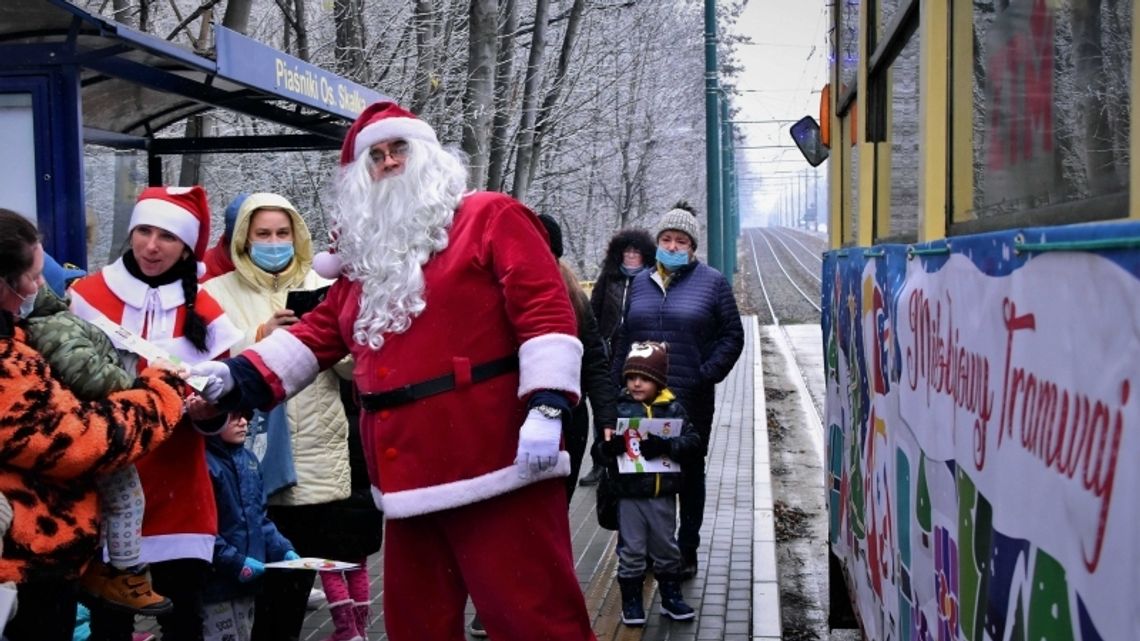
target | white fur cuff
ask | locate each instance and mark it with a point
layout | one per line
(290, 359)
(425, 500)
(550, 361)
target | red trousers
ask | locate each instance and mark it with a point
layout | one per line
(511, 553)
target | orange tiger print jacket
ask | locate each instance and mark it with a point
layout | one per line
(52, 445)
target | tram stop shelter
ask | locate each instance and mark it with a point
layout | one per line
(69, 77)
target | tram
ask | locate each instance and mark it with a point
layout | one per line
(979, 318)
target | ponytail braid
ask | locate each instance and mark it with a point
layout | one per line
(194, 328)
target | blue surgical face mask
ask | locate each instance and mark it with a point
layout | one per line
(27, 303)
(272, 257)
(672, 260)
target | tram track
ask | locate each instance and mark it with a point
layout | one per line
(814, 255)
(812, 270)
(787, 300)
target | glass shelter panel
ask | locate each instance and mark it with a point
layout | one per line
(17, 139)
(1051, 104)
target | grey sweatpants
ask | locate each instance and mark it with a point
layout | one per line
(646, 527)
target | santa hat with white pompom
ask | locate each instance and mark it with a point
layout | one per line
(379, 122)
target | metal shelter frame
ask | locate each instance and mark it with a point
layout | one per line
(93, 80)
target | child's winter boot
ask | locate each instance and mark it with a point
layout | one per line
(672, 603)
(360, 613)
(123, 589)
(632, 609)
(344, 621)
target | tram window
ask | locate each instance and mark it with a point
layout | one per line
(847, 40)
(903, 138)
(1051, 105)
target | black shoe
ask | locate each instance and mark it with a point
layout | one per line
(476, 628)
(592, 478)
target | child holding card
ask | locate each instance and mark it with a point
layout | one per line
(246, 539)
(647, 508)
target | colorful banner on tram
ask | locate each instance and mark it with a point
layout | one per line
(983, 436)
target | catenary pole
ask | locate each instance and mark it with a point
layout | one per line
(712, 141)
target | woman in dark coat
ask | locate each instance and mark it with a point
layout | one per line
(701, 324)
(630, 252)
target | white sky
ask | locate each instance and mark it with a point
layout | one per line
(784, 69)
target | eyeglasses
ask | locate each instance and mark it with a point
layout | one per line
(397, 150)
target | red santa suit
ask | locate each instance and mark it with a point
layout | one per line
(180, 519)
(461, 518)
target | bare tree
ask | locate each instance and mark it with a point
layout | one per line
(523, 155)
(236, 16)
(349, 49)
(479, 98)
(122, 11)
(504, 83)
(197, 126)
(546, 114)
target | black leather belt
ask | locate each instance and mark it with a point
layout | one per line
(446, 383)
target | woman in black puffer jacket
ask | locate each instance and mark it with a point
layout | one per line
(690, 306)
(611, 289)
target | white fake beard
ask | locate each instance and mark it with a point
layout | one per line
(388, 229)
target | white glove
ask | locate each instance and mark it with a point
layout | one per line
(538, 444)
(219, 380)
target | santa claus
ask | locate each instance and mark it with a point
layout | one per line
(466, 359)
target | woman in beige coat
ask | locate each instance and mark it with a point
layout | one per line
(272, 254)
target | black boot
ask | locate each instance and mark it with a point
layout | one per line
(593, 477)
(632, 609)
(672, 603)
(688, 563)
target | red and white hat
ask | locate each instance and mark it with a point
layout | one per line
(182, 211)
(383, 121)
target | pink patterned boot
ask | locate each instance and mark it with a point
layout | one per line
(340, 607)
(359, 588)
(344, 622)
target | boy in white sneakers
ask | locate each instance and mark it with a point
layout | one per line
(647, 506)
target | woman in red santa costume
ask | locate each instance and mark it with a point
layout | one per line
(466, 360)
(152, 291)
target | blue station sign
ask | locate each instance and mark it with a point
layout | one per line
(249, 62)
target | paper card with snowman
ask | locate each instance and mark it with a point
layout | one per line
(632, 430)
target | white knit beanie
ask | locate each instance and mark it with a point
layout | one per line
(678, 220)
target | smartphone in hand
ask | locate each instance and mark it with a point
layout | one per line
(302, 301)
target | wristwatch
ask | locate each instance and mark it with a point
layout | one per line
(549, 411)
